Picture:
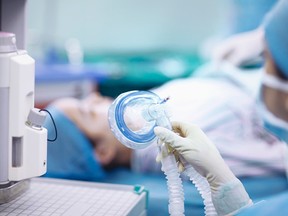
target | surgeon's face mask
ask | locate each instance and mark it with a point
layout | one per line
(272, 123)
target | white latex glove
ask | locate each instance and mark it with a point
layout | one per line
(241, 49)
(228, 193)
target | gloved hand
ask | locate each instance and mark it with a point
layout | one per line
(228, 193)
(241, 49)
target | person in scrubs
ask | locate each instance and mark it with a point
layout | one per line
(228, 194)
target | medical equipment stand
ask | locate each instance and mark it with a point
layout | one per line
(23, 140)
(23, 143)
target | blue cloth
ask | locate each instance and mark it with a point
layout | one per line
(248, 15)
(71, 155)
(275, 205)
(276, 35)
(281, 133)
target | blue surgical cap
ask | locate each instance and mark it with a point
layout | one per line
(71, 155)
(276, 35)
(248, 14)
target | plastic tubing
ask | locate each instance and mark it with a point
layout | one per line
(174, 182)
(203, 187)
(170, 169)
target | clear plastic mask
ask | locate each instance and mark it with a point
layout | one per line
(133, 116)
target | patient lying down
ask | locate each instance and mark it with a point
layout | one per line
(225, 112)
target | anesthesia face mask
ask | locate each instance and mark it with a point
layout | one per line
(133, 116)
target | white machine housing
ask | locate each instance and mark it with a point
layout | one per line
(23, 147)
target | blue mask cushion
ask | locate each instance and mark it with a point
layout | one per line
(276, 35)
(71, 155)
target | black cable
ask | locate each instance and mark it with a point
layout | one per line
(51, 140)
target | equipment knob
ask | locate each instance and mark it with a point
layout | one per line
(7, 42)
(36, 118)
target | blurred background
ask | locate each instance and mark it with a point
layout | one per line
(116, 46)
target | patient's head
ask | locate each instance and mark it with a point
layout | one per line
(90, 116)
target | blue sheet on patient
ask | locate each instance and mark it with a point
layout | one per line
(71, 155)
